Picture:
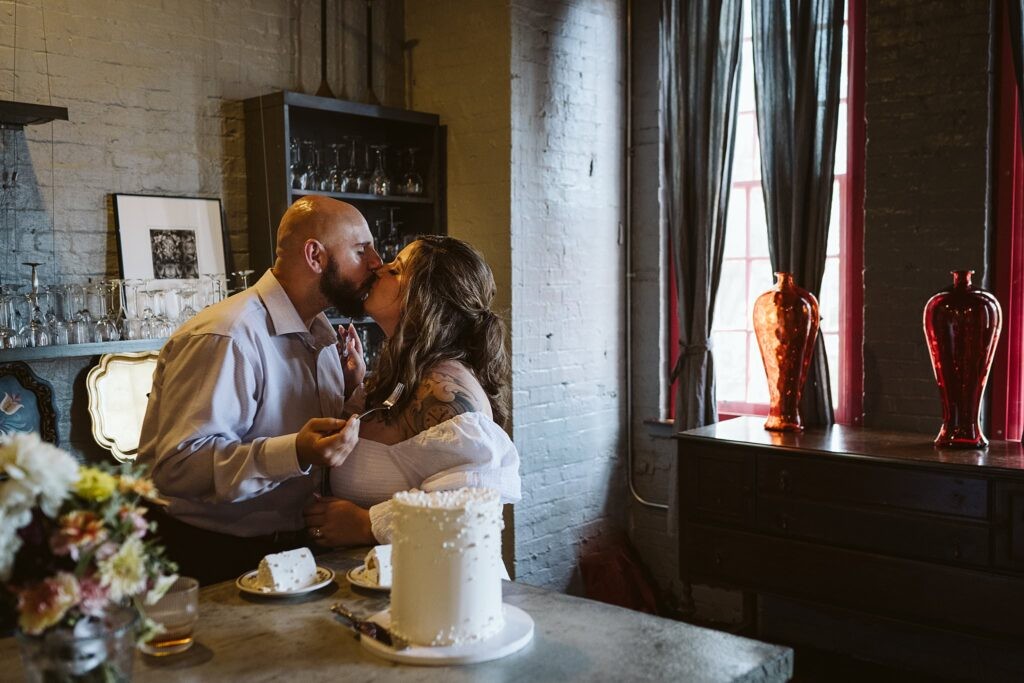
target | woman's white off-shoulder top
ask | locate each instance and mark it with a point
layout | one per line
(467, 450)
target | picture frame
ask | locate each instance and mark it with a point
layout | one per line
(26, 402)
(170, 239)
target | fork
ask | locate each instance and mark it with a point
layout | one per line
(388, 403)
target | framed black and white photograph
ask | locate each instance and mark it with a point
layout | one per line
(170, 239)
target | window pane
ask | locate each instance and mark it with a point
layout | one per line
(746, 102)
(832, 352)
(730, 365)
(835, 227)
(744, 165)
(757, 384)
(758, 223)
(731, 305)
(839, 166)
(761, 280)
(736, 224)
(828, 303)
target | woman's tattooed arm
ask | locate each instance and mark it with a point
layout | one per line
(439, 396)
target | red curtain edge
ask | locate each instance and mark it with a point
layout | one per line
(1007, 416)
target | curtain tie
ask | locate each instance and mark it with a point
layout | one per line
(686, 350)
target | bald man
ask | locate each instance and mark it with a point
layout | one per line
(246, 400)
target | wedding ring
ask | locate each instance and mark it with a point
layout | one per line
(316, 532)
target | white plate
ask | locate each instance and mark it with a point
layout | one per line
(518, 632)
(358, 577)
(248, 583)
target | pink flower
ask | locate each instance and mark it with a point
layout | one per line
(94, 596)
(44, 603)
(79, 530)
(136, 517)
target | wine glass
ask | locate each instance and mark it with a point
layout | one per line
(243, 275)
(366, 172)
(350, 176)
(380, 183)
(296, 168)
(411, 182)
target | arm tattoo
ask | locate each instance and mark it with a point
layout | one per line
(439, 397)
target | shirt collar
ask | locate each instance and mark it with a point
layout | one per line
(283, 316)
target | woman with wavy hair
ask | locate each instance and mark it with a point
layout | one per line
(447, 347)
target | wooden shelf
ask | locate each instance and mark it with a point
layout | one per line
(359, 197)
(79, 350)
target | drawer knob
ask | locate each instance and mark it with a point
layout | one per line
(783, 480)
(718, 559)
(956, 551)
(783, 522)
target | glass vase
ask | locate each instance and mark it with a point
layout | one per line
(786, 326)
(93, 650)
(961, 325)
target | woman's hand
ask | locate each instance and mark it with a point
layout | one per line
(335, 522)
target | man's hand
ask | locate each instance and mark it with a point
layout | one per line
(338, 522)
(353, 365)
(320, 442)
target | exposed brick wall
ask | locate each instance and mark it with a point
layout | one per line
(926, 199)
(154, 96)
(567, 301)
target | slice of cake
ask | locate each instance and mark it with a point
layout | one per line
(287, 571)
(378, 565)
(446, 577)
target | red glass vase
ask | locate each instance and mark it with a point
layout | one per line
(786, 325)
(961, 325)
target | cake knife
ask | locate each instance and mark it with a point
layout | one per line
(364, 627)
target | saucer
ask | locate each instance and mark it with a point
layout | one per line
(516, 635)
(249, 583)
(358, 577)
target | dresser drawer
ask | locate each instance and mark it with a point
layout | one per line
(877, 530)
(871, 484)
(719, 487)
(1009, 522)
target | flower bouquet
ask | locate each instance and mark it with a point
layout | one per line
(76, 558)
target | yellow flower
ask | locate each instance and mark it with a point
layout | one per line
(44, 603)
(94, 484)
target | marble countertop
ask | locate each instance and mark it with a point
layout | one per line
(242, 637)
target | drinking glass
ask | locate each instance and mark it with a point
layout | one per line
(177, 612)
(307, 179)
(296, 166)
(412, 182)
(380, 183)
(366, 173)
(9, 338)
(350, 176)
(36, 332)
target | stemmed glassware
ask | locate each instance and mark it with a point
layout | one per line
(9, 338)
(380, 183)
(365, 178)
(243, 275)
(412, 182)
(350, 176)
(36, 332)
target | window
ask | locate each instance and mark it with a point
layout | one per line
(746, 268)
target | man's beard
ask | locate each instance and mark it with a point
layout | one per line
(343, 295)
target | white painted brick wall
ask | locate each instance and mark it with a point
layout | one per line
(154, 94)
(567, 302)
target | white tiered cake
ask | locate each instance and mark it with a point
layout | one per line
(446, 581)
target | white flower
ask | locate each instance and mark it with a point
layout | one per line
(160, 588)
(35, 469)
(124, 572)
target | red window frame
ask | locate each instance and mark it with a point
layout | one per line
(851, 271)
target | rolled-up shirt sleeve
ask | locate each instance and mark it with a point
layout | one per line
(210, 392)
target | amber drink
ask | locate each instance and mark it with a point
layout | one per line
(177, 613)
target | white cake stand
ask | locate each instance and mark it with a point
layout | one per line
(518, 632)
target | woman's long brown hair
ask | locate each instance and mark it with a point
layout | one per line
(446, 315)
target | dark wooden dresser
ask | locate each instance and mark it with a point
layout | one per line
(880, 523)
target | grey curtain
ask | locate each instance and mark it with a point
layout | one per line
(1016, 8)
(701, 41)
(797, 62)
